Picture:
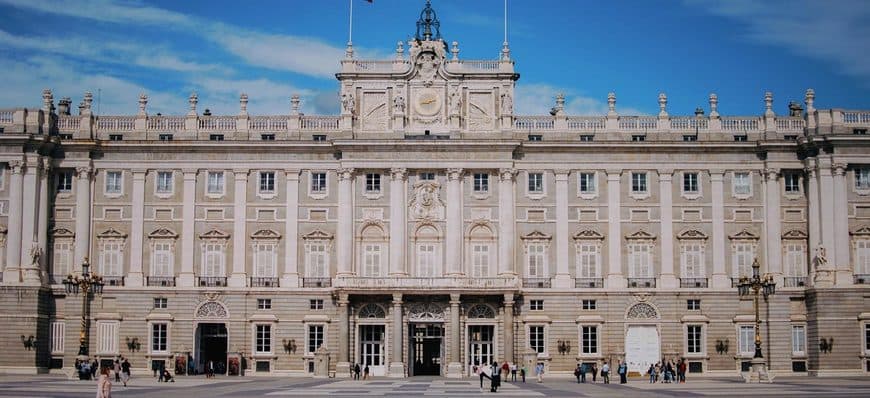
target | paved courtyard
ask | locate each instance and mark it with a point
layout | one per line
(54, 386)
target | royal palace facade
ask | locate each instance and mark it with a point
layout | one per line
(427, 228)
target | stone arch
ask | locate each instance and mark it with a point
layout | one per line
(642, 311)
(480, 311)
(372, 231)
(426, 231)
(371, 311)
(480, 230)
(212, 310)
(422, 312)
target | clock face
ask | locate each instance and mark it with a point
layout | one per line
(428, 102)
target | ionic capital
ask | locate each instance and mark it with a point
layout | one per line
(16, 166)
(454, 299)
(84, 172)
(292, 174)
(345, 173)
(507, 174)
(454, 174)
(771, 174)
(398, 173)
(839, 169)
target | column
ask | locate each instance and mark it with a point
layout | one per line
(841, 226)
(186, 278)
(397, 367)
(28, 219)
(563, 237)
(398, 225)
(720, 276)
(343, 358)
(615, 278)
(291, 230)
(774, 225)
(826, 216)
(42, 225)
(454, 367)
(509, 327)
(240, 219)
(137, 225)
(813, 208)
(13, 238)
(506, 222)
(454, 222)
(83, 216)
(668, 279)
(344, 234)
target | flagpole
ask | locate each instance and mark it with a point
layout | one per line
(505, 21)
(350, 24)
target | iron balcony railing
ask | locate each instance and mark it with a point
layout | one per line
(162, 281)
(589, 283)
(212, 281)
(693, 282)
(536, 282)
(113, 281)
(862, 279)
(794, 281)
(641, 282)
(316, 282)
(263, 281)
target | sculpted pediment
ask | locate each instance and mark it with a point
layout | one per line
(111, 233)
(56, 233)
(317, 235)
(692, 234)
(641, 234)
(163, 233)
(588, 234)
(863, 231)
(744, 234)
(265, 234)
(795, 234)
(536, 235)
(215, 234)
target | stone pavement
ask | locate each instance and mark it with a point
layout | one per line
(191, 387)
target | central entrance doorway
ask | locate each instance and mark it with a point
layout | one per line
(211, 345)
(371, 348)
(642, 347)
(480, 345)
(426, 348)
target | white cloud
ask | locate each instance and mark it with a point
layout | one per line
(538, 99)
(106, 11)
(830, 31)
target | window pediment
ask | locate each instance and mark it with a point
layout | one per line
(111, 233)
(744, 235)
(317, 235)
(536, 236)
(56, 233)
(692, 234)
(795, 234)
(863, 232)
(163, 233)
(640, 235)
(588, 234)
(265, 234)
(215, 234)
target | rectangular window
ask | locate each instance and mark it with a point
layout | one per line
(267, 137)
(795, 260)
(536, 305)
(162, 260)
(640, 261)
(690, 138)
(862, 256)
(164, 182)
(693, 304)
(315, 338)
(587, 260)
(638, 182)
(62, 259)
(536, 183)
(746, 340)
(316, 267)
(318, 137)
(213, 259)
(267, 182)
(165, 137)
(264, 304)
(426, 265)
(64, 181)
(107, 337)
(590, 339)
(536, 137)
(587, 138)
(315, 304)
(216, 137)
(481, 182)
(798, 340)
(741, 138)
(867, 338)
(113, 182)
(110, 258)
(427, 176)
(536, 339)
(693, 339)
(744, 254)
(263, 344)
(159, 337)
(588, 305)
(638, 138)
(862, 178)
(479, 260)
(792, 182)
(690, 182)
(160, 303)
(373, 183)
(587, 183)
(318, 182)
(372, 259)
(215, 182)
(741, 184)
(58, 334)
(692, 259)
(265, 257)
(535, 258)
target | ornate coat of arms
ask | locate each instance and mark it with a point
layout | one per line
(426, 202)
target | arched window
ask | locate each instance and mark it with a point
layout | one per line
(427, 251)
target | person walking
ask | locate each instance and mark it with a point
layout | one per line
(539, 371)
(583, 370)
(513, 372)
(577, 373)
(104, 384)
(125, 371)
(652, 373)
(594, 373)
(605, 373)
(495, 377)
(682, 370)
(160, 367)
(505, 369)
(95, 368)
(356, 371)
(622, 370)
(366, 372)
(523, 372)
(116, 367)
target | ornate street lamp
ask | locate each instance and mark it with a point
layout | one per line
(89, 283)
(763, 285)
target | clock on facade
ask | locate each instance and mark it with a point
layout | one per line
(428, 102)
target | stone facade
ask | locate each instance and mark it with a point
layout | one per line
(427, 227)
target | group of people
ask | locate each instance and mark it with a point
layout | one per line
(668, 371)
(496, 373)
(356, 372)
(583, 368)
(88, 371)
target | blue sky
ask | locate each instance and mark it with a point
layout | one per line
(585, 49)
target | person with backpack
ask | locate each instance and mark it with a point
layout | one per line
(577, 373)
(622, 370)
(605, 373)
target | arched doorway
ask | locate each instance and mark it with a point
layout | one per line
(371, 338)
(642, 342)
(426, 339)
(211, 338)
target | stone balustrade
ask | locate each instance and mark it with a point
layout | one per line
(6, 116)
(477, 284)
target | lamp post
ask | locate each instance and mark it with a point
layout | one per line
(757, 285)
(88, 283)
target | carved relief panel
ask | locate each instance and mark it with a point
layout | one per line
(374, 113)
(481, 110)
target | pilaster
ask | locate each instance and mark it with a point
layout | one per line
(343, 358)
(774, 224)
(42, 224)
(188, 228)
(454, 222)
(398, 228)
(137, 224)
(667, 278)
(615, 277)
(826, 211)
(290, 278)
(454, 367)
(844, 275)
(508, 312)
(563, 277)
(397, 367)
(84, 175)
(239, 277)
(507, 222)
(344, 235)
(720, 277)
(29, 244)
(11, 273)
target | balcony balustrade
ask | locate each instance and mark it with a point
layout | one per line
(589, 283)
(113, 280)
(642, 282)
(392, 282)
(161, 281)
(795, 281)
(862, 279)
(261, 281)
(316, 282)
(212, 281)
(536, 283)
(693, 282)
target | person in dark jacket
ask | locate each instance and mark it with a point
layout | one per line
(495, 378)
